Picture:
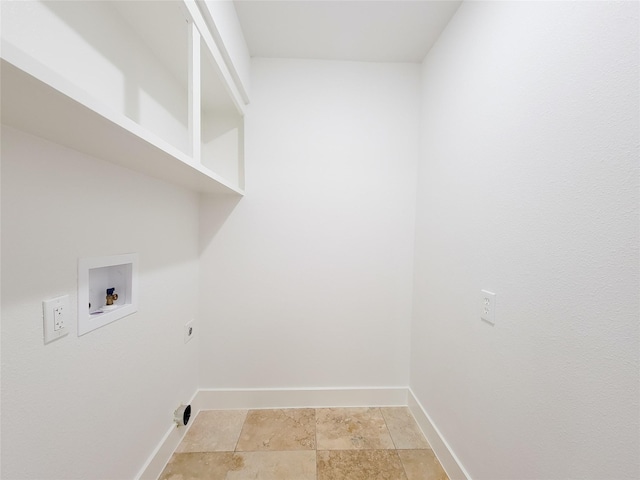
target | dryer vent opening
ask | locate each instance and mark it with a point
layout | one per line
(181, 415)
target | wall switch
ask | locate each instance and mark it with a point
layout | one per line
(488, 307)
(55, 314)
(189, 331)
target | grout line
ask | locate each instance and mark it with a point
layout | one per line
(315, 432)
(404, 469)
(395, 447)
(235, 449)
(394, 444)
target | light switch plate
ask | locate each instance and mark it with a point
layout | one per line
(55, 314)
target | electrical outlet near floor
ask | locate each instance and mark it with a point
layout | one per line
(488, 307)
(189, 331)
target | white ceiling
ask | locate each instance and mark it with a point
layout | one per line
(361, 30)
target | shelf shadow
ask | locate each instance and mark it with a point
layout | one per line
(215, 210)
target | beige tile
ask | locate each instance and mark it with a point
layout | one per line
(403, 428)
(351, 429)
(200, 466)
(360, 465)
(422, 465)
(291, 465)
(288, 429)
(213, 431)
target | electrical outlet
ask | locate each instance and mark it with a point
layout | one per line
(55, 314)
(488, 307)
(189, 331)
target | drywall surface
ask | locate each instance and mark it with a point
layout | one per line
(528, 187)
(93, 406)
(222, 140)
(308, 281)
(372, 31)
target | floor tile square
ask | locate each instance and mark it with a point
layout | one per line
(403, 428)
(213, 431)
(422, 465)
(351, 429)
(280, 429)
(200, 466)
(360, 465)
(291, 465)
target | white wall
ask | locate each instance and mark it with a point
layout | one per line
(222, 140)
(308, 282)
(528, 187)
(94, 406)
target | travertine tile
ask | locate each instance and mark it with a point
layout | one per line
(293, 465)
(351, 429)
(288, 429)
(213, 431)
(352, 443)
(200, 466)
(360, 465)
(421, 465)
(403, 428)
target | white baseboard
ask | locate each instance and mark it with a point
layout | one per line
(217, 399)
(439, 445)
(162, 454)
(214, 399)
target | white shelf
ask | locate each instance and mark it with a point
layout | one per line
(222, 127)
(47, 101)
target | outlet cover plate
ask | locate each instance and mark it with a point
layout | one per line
(55, 314)
(488, 307)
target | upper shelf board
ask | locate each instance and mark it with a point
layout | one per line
(40, 101)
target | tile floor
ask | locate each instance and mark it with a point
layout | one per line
(304, 444)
